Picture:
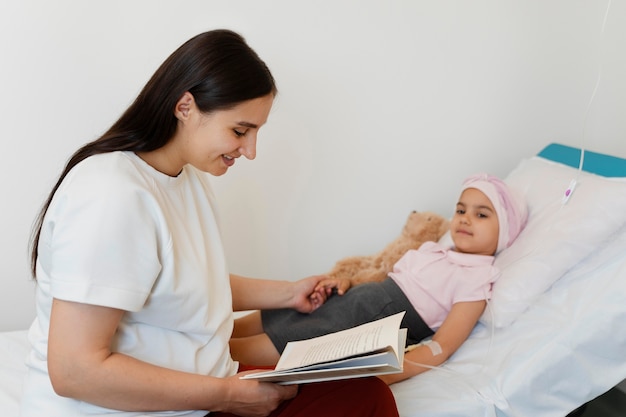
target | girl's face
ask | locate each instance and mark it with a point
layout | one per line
(474, 227)
(212, 142)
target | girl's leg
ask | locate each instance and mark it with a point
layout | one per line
(254, 350)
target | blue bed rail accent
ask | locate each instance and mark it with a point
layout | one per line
(596, 163)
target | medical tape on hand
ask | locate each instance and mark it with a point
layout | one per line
(434, 347)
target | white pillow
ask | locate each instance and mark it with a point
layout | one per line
(557, 235)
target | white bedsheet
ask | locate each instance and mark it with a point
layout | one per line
(13, 349)
(568, 348)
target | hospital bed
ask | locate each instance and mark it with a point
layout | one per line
(554, 334)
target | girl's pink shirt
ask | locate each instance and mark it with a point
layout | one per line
(434, 277)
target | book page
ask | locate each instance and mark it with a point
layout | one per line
(386, 360)
(369, 337)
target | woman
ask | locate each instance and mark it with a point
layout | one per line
(134, 298)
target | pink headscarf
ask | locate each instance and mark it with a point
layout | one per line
(510, 207)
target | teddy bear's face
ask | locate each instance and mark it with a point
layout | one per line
(419, 227)
(420, 223)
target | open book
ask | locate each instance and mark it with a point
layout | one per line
(374, 348)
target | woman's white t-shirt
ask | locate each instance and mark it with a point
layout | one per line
(121, 234)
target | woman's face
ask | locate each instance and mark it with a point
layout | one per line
(474, 227)
(212, 142)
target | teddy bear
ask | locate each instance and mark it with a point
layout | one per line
(419, 228)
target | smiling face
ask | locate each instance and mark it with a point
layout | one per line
(474, 227)
(211, 142)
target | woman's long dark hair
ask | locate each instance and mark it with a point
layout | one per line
(217, 67)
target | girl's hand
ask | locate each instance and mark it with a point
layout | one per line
(341, 285)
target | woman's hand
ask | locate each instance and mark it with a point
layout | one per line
(264, 294)
(307, 297)
(251, 398)
(341, 285)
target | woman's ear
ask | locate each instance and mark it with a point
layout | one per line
(183, 106)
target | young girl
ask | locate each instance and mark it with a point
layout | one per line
(442, 289)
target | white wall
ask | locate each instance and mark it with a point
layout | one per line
(384, 107)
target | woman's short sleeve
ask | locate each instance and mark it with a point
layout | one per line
(101, 238)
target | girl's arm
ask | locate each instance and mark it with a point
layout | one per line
(262, 294)
(455, 329)
(82, 366)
